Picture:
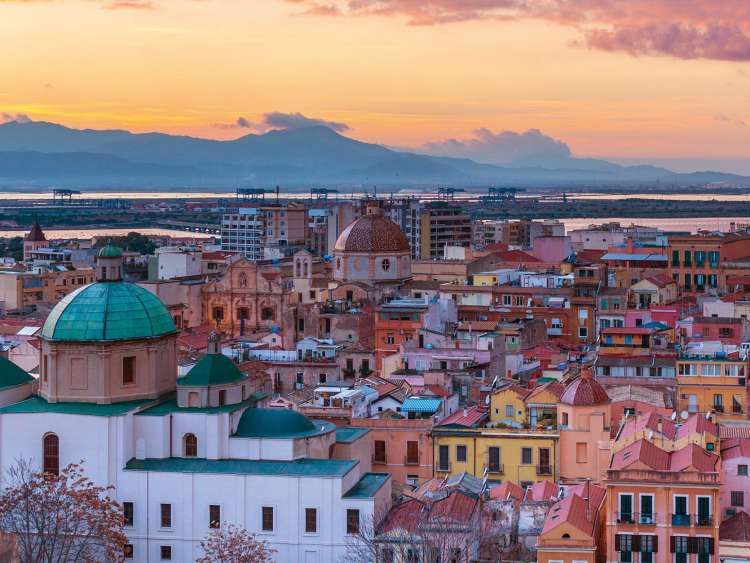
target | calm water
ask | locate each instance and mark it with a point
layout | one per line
(427, 195)
(55, 234)
(690, 224)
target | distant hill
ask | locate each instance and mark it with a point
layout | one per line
(44, 154)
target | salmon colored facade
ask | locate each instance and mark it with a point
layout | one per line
(402, 448)
(393, 327)
(574, 529)
(663, 506)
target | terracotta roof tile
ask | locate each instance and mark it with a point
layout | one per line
(542, 490)
(576, 511)
(736, 528)
(584, 390)
(734, 431)
(733, 448)
(469, 417)
(505, 491)
(372, 233)
(646, 453)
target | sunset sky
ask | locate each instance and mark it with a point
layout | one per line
(638, 79)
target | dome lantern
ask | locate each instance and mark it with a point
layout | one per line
(109, 263)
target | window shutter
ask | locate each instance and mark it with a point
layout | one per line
(617, 542)
(656, 543)
(711, 546)
(637, 544)
(672, 541)
(692, 545)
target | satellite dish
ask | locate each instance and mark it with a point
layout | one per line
(650, 434)
(684, 415)
(674, 415)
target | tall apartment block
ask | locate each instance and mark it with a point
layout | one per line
(431, 226)
(265, 232)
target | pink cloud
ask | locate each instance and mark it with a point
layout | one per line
(686, 29)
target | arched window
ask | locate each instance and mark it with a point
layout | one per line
(190, 443)
(566, 536)
(243, 280)
(51, 454)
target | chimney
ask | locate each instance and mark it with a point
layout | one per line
(213, 343)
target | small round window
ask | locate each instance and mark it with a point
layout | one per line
(385, 264)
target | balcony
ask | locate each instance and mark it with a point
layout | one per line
(496, 469)
(681, 520)
(653, 476)
(637, 518)
(443, 468)
(718, 408)
(704, 521)
(544, 470)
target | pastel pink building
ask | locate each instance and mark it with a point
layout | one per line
(735, 481)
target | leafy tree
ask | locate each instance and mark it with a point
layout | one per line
(133, 241)
(61, 518)
(232, 544)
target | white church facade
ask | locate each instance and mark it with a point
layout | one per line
(184, 455)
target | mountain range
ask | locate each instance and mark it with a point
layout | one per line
(42, 154)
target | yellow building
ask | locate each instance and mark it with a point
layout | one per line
(712, 382)
(528, 408)
(462, 443)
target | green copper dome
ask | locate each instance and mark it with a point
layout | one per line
(110, 251)
(106, 311)
(279, 423)
(212, 369)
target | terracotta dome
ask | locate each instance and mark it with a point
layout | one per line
(372, 233)
(584, 390)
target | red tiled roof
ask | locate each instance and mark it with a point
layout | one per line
(590, 255)
(474, 415)
(216, 255)
(649, 421)
(457, 506)
(660, 280)
(584, 390)
(405, 516)
(554, 387)
(699, 424)
(35, 234)
(736, 528)
(646, 453)
(505, 491)
(542, 490)
(734, 431)
(625, 330)
(733, 448)
(515, 256)
(576, 511)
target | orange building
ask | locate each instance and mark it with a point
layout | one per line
(401, 447)
(661, 501)
(395, 323)
(584, 416)
(574, 528)
(702, 262)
